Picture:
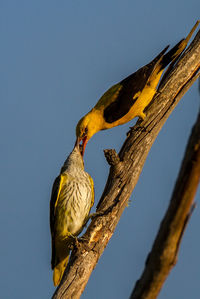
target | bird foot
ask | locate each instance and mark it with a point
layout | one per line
(85, 243)
(71, 246)
(142, 115)
(74, 241)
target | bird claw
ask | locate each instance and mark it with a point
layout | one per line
(142, 115)
(71, 246)
(72, 241)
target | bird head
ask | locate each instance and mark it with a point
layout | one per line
(85, 129)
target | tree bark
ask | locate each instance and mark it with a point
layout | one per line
(163, 255)
(124, 173)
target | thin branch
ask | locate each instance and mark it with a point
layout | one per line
(125, 171)
(163, 255)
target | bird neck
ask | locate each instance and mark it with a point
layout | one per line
(74, 163)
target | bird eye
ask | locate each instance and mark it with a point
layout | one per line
(85, 132)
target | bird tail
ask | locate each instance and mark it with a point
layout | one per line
(59, 259)
(162, 60)
(59, 270)
(175, 52)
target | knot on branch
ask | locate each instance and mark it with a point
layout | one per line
(136, 128)
(112, 157)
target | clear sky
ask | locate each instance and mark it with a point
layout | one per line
(57, 58)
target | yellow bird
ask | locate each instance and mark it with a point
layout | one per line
(71, 200)
(128, 99)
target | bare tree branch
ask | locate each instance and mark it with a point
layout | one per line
(163, 255)
(124, 173)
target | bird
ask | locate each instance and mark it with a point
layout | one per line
(128, 98)
(71, 200)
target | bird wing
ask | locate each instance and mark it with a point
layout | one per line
(93, 193)
(131, 88)
(57, 185)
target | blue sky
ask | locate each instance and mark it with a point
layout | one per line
(57, 59)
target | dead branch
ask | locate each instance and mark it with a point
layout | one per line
(163, 255)
(124, 173)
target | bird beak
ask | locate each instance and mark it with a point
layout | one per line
(82, 146)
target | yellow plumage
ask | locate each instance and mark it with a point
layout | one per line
(128, 99)
(71, 200)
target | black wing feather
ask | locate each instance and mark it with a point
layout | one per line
(54, 195)
(130, 86)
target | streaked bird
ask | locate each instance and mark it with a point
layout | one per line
(128, 99)
(71, 200)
